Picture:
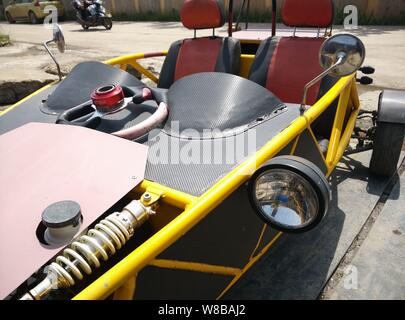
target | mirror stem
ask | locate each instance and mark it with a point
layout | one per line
(53, 58)
(318, 78)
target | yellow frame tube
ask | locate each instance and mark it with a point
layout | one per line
(351, 123)
(132, 60)
(250, 264)
(338, 125)
(145, 72)
(126, 291)
(146, 252)
(246, 61)
(195, 266)
(170, 196)
(345, 137)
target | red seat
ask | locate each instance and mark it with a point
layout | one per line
(205, 54)
(285, 65)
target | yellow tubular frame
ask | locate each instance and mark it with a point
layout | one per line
(132, 60)
(198, 208)
(122, 277)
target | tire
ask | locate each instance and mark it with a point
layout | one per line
(9, 18)
(32, 18)
(388, 142)
(85, 27)
(107, 23)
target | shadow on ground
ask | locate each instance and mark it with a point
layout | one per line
(299, 266)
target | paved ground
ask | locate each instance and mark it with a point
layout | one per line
(377, 271)
(26, 60)
(385, 46)
(299, 266)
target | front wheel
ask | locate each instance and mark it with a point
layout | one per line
(85, 26)
(9, 18)
(388, 142)
(32, 17)
(107, 23)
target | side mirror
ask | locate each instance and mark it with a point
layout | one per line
(340, 56)
(59, 39)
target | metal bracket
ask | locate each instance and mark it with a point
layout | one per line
(151, 196)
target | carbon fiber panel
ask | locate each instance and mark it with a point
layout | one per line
(190, 178)
(217, 101)
(196, 177)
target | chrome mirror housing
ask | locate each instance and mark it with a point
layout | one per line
(340, 56)
(59, 39)
(344, 52)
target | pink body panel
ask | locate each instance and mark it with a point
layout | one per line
(44, 163)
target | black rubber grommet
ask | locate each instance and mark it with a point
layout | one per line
(62, 214)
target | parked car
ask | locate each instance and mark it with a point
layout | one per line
(31, 10)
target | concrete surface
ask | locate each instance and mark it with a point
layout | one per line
(385, 45)
(378, 269)
(27, 60)
(299, 266)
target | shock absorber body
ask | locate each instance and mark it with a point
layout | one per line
(85, 253)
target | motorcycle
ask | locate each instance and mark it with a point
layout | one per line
(93, 15)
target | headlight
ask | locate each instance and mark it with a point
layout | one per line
(290, 194)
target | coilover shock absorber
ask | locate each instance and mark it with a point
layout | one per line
(85, 253)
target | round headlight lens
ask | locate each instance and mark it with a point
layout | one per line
(290, 194)
(285, 198)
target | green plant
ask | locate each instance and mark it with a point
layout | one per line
(254, 17)
(4, 40)
(266, 16)
(147, 16)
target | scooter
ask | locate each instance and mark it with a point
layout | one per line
(94, 15)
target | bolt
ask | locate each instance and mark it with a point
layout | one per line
(147, 197)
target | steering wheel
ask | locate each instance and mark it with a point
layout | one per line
(111, 99)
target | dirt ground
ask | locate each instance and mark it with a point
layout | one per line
(27, 60)
(25, 66)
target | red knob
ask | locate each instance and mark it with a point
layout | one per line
(107, 97)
